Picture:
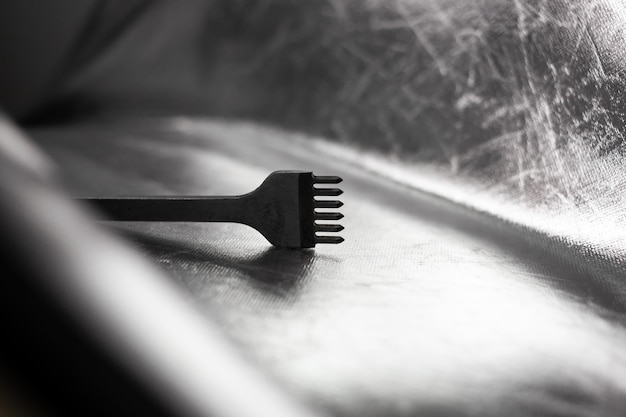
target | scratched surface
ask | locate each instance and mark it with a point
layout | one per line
(428, 307)
(482, 143)
(462, 82)
(520, 101)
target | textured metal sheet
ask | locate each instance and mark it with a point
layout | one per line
(482, 144)
(429, 307)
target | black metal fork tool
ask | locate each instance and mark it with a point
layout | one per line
(284, 209)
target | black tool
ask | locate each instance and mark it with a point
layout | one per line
(282, 209)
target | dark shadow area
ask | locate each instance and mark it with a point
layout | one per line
(275, 271)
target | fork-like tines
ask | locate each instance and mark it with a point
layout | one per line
(327, 204)
(290, 201)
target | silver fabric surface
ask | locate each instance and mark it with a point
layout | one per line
(429, 307)
(482, 144)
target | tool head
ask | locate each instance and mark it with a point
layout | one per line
(289, 209)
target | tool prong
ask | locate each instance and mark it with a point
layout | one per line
(327, 204)
(328, 228)
(329, 239)
(327, 192)
(328, 216)
(326, 179)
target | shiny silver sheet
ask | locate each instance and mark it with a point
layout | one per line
(429, 307)
(482, 147)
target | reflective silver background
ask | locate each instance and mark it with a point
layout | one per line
(482, 147)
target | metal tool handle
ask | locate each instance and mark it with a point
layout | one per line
(172, 209)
